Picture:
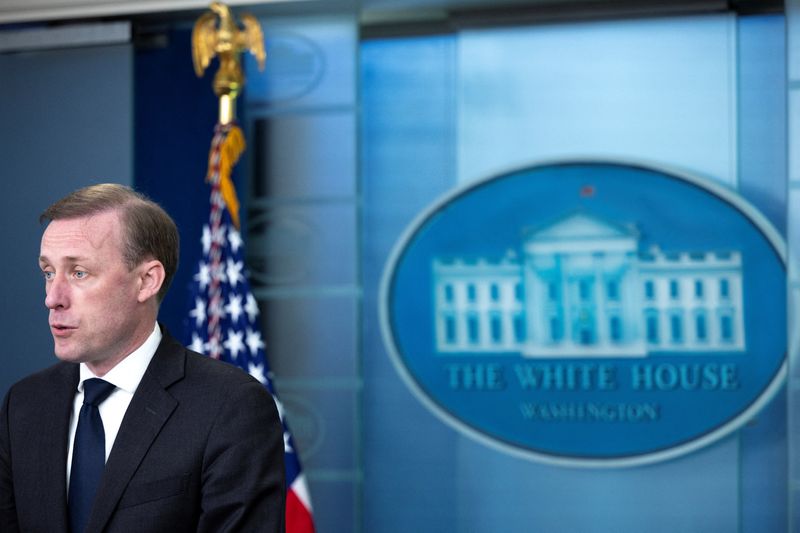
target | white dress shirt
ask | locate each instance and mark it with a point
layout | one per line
(126, 376)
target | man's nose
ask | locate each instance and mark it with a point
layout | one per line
(56, 293)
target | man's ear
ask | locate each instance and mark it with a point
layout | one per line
(151, 277)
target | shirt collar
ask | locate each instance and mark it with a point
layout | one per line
(127, 374)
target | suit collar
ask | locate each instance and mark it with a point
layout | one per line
(169, 362)
(128, 373)
(147, 413)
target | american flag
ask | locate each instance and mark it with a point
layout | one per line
(223, 322)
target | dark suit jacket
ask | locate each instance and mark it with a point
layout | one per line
(200, 449)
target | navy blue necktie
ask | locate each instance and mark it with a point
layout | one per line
(88, 454)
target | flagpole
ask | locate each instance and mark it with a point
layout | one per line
(224, 319)
(227, 109)
(226, 41)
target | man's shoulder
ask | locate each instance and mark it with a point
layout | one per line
(200, 368)
(208, 384)
(199, 365)
(43, 390)
(56, 374)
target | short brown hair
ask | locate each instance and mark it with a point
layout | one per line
(148, 231)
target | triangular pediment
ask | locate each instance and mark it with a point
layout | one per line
(580, 226)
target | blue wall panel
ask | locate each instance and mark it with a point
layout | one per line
(702, 94)
(67, 123)
(408, 158)
(762, 149)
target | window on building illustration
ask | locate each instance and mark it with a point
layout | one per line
(700, 326)
(612, 290)
(649, 290)
(726, 327)
(698, 288)
(651, 319)
(473, 329)
(676, 327)
(585, 289)
(584, 328)
(494, 292)
(724, 288)
(496, 328)
(615, 329)
(449, 293)
(556, 329)
(585, 335)
(519, 328)
(674, 289)
(552, 291)
(472, 292)
(450, 329)
(519, 292)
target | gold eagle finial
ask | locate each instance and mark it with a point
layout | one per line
(226, 41)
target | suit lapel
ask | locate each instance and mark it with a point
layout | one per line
(150, 408)
(52, 454)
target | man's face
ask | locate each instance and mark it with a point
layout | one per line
(95, 317)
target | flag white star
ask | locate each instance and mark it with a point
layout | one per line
(254, 341)
(234, 307)
(234, 239)
(287, 443)
(206, 239)
(198, 313)
(234, 272)
(251, 307)
(203, 276)
(257, 371)
(234, 343)
(197, 343)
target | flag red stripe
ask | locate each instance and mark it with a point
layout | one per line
(298, 519)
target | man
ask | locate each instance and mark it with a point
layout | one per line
(190, 443)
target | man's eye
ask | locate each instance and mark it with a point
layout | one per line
(80, 274)
(48, 275)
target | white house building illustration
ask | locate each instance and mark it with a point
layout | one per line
(583, 288)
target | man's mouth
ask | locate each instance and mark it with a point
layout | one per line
(61, 329)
